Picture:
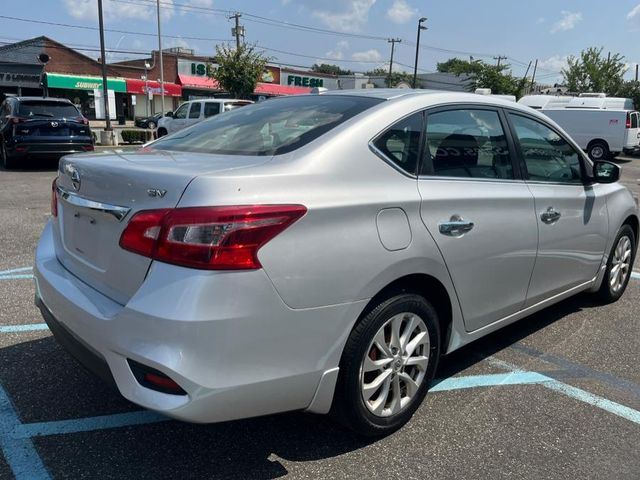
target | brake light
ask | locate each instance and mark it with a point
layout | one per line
(54, 197)
(88, 148)
(211, 238)
(82, 120)
(628, 125)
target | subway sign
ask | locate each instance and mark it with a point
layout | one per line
(302, 81)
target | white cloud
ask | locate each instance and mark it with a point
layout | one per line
(568, 21)
(337, 53)
(88, 10)
(553, 64)
(177, 42)
(401, 12)
(634, 14)
(352, 18)
(371, 55)
(541, 20)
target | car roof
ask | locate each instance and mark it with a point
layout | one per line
(46, 99)
(218, 100)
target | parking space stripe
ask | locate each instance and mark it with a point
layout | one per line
(15, 270)
(635, 275)
(512, 378)
(30, 327)
(22, 276)
(89, 424)
(19, 453)
(577, 393)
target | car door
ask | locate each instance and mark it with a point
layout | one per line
(478, 210)
(179, 119)
(632, 132)
(195, 112)
(211, 109)
(571, 214)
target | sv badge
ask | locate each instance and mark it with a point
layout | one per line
(156, 192)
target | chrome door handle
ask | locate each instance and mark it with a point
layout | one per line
(550, 216)
(455, 227)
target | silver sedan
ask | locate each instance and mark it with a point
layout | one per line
(321, 252)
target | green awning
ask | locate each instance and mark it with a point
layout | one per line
(72, 82)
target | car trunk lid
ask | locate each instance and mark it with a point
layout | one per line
(98, 194)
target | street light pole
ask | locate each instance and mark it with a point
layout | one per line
(415, 66)
(105, 89)
(160, 53)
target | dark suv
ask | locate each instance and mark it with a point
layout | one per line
(36, 127)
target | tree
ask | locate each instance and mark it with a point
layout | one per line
(390, 80)
(330, 69)
(630, 89)
(239, 69)
(483, 75)
(592, 72)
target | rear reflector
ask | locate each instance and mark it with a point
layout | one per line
(87, 148)
(54, 197)
(211, 238)
(154, 379)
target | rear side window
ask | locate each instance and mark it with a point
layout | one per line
(634, 120)
(45, 109)
(211, 109)
(467, 143)
(195, 110)
(401, 142)
(268, 128)
(547, 156)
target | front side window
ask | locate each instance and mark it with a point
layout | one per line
(268, 128)
(467, 143)
(195, 110)
(401, 142)
(211, 109)
(181, 112)
(547, 156)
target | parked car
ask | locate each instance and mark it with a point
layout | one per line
(36, 127)
(321, 252)
(150, 122)
(194, 111)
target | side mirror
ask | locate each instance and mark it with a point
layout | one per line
(169, 114)
(605, 172)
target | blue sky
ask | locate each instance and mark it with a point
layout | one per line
(545, 29)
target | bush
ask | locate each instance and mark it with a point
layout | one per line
(134, 136)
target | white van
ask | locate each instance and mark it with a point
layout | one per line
(599, 132)
(194, 111)
(539, 102)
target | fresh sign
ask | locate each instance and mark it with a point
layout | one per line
(300, 81)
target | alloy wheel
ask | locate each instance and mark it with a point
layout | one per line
(620, 264)
(395, 364)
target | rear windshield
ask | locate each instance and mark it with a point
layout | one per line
(271, 127)
(41, 108)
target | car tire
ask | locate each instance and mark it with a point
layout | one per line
(619, 266)
(374, 355)
(7, 162)
(162, 132)
(151, 125)
(598, 150)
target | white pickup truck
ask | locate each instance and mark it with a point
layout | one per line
(194, 111)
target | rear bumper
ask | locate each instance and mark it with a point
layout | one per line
(48, 149)
(225, 337)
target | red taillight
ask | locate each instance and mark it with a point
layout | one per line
(163, 382)
(54, 197)
(82, 120)
(628, 124)
(213, 238)
(88, 148)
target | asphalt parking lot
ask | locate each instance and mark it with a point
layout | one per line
(554, 396)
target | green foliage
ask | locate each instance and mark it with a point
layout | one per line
(483, 75)
(630, 90)
(330, 69)
(134, 136)
(593, 72)
(393, 80)
(239, 69)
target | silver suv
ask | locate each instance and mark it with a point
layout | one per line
(195, 111)
(321, 252)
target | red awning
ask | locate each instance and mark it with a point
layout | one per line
(139, 87)
(273, 89)
(192, 81)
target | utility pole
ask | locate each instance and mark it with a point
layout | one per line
(524, 79)
(392, 41)
(533, 78)
(636, 72)
(499, 58)
(415, 65)
(238, 30)
(160, 53)
(105, 89)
